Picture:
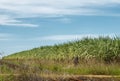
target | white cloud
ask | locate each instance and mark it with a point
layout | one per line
(54, 7)
(20, 25)
(71, 37)
(7, 20)
(51, 8)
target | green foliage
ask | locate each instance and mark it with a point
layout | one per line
(97, 56)
(102, 48)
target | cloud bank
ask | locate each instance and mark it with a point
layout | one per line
(14, 9)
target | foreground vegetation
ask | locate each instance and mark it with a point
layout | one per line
(41, 70)
(96, 56)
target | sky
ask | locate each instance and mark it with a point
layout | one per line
(27, 24)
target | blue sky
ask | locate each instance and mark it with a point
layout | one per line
(26, 24)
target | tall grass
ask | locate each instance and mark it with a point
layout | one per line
(48, 70)
(102, 48)
(97, 56)
(60, 68)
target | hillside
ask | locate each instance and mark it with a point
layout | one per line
(105, 48)
(96, 56)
